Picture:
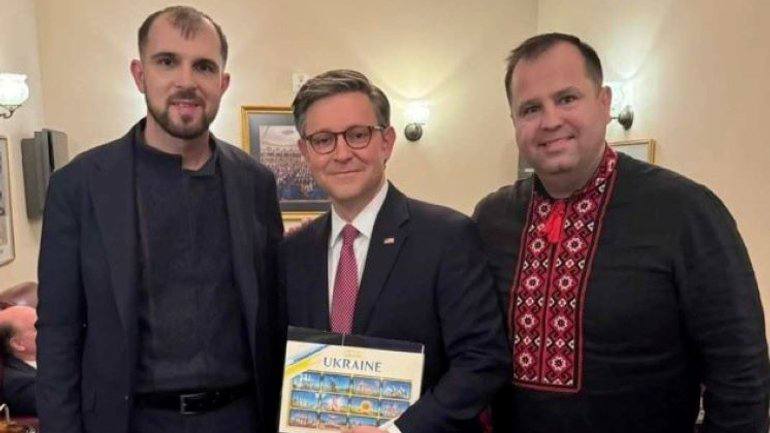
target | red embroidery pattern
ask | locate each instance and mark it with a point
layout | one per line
(546, 311)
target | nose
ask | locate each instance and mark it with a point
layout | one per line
(551, 117)
(342, 151)
(184, 77)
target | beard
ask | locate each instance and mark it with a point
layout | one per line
(185, 129)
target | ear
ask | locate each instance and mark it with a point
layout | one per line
(16, 345)
(137, 71)
(302, 145)
(605, 99)
(225, 82)
(388, 141)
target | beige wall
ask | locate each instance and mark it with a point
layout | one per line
(19, 54)
(449, 54)
(700, 72)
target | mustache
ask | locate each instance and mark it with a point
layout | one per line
(187, 95)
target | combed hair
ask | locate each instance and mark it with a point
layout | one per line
(533, 47)
(6, 333)
(188, 20)
(336, 82)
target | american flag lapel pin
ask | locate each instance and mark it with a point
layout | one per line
(389, 241)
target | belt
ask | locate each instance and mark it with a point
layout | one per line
(194, 401)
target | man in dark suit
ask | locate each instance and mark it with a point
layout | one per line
(19, 352)
(382, 264)
(157, 261)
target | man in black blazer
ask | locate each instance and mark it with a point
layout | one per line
(382, 264)
(19, 353)
(157, 271)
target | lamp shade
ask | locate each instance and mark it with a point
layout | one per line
(13, 89)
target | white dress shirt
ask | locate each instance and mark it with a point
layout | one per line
(364, 223)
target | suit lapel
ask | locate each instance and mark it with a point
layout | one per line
(388, 236)
(317, 257)
(112, 190)
(239, 199)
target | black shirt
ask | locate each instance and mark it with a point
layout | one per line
(192, 333)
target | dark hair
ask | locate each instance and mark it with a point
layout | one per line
(335, 82)
(537, 45)
(6, 333)
(188, 20)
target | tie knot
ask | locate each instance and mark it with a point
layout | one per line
(349, 234)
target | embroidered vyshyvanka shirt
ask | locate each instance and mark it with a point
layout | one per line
(621, 300)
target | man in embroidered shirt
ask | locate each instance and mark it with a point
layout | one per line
(420, 267)
(627, 286)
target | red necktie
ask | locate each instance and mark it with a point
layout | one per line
(345, 284)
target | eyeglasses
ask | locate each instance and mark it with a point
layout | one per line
(357, 137)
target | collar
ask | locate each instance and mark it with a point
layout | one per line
(364, 221)
(157, 156)
(603, 173)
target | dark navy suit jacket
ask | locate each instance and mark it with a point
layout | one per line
(431, 285)
(88, 273)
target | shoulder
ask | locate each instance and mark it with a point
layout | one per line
(87, 162)
(504, 201)
(437, 220)
(654, 184)
(304, 236)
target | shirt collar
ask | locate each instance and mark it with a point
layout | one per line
(604, 171)
(152, 154)
(364, 221)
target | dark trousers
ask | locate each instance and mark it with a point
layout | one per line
(237, 417)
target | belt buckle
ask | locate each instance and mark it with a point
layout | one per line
(183, 403)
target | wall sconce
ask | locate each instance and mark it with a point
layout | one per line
(622, 101)
(417, 114)
(13, 92)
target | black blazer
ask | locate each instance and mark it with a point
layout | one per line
(430, 285)
(19, 386)
(88, 285)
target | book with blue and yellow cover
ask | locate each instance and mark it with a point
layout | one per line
(333, 382)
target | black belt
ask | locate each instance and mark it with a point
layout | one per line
(194, 401)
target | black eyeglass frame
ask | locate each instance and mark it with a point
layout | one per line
(309, 138)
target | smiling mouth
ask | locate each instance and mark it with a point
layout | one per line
(185, 104)
(555, 140)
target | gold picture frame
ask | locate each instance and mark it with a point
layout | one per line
(7, 253)
(643, 150)
(269, 135)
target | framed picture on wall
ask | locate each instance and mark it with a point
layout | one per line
(269, 135)
(6, 218)
(643, 150)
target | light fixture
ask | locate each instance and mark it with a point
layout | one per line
(417, 114)
(13, 92)
(622, 100)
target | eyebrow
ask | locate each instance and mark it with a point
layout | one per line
(557, 94)
(163, 54)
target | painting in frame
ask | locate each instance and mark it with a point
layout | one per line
(269, 136)
(643, 150)
(6, 216)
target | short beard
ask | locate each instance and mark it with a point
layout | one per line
(163, 119)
